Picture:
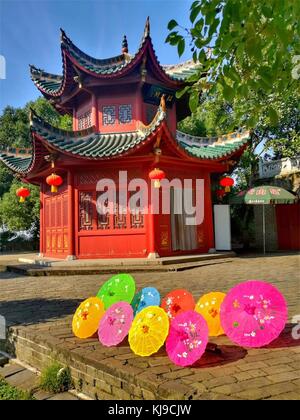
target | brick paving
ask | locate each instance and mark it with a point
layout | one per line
(40, 311)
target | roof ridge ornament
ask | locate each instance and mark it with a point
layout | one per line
(163, 103)
(64, 37)
(147, 27)
(32, 114)
(125, 45)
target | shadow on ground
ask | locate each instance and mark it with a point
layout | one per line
(33, 311)
(285, 339)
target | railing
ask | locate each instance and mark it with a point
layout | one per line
(16, 151)
(281, 167)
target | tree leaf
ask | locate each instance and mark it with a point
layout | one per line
(194, 101)
(181, 92)
(181, 47)
(228, 92)
(172, 24)
(194, 13)
(273, 116)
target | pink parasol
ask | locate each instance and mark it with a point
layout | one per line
(115, 324)
(187, 338)
(253, 313)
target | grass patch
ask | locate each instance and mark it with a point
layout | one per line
(56, 378)
(8, 392)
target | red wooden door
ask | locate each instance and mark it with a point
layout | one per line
(288, 226)
(56, 225)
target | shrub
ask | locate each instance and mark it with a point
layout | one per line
(56, 378)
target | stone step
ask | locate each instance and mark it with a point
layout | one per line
(37, 271)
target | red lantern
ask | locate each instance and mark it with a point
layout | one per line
(157, 175)
(220, 194)
(55, 181)
(22, 193)
(227, 183)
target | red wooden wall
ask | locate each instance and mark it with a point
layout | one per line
(288, 226)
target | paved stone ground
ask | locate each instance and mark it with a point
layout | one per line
(45, 306)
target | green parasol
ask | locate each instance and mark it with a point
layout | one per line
(267, 194)
(120, 287)
(264, 195)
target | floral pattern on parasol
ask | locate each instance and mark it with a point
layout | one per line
(148, 296)
(115, 324)
(120, 287)
(253, 313)
(177, 301)
(209, 306)
(87, 317)
(187, 339)
(149, 331)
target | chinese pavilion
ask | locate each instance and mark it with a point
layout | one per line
(125, 114)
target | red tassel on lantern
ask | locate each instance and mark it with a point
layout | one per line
(22, 193)
(157, 175)
(54, 181)
(227, 183)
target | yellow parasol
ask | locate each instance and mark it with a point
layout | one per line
(87, 317)
(149, 331)
(209, 307)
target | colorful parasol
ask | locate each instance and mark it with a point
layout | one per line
(120, 287)
(253, 313)
(87, 317)
(149, 331)
(177, 301)
(115, 324)
(187, 339)
(209, 307)
(148, 296)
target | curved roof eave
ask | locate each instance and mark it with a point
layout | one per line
(52, 85)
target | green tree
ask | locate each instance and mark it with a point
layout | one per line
(16, 216)
(14, 122)
(244, 47)
(15, 132)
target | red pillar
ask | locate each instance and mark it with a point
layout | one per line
(95, 121)
(74, 120)
(208, 215)
(42, 218)
(71, 236)
(152, 252)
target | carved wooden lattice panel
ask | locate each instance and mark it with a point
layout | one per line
(103, 217)
(120, 221)
(136, 215)
(109, 115)
(85, 211)
(85, 120)
(125, 114)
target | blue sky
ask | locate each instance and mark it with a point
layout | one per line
(29, 34)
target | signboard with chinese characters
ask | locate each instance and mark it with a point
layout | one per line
(153, 93)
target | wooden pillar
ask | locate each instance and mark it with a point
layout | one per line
(75, 125)
(151, 230)
(42, 220)
(208, 214)
(71, 230)
(95, 121)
